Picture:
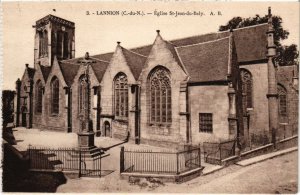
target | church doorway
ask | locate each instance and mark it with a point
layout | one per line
(107, 129)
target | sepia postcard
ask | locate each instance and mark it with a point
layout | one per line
(150, 97)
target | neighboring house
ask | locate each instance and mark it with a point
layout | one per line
(209, 87)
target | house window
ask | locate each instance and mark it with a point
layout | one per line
(55, 96)
(39, 97)
(206, 122)
(160, 96)
(247, 85)
(121, 95)
(82, 94)
(282, 94)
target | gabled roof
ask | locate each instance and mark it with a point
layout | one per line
(135, 61)
(30, 72)
(206, 61)
(45, 71)
(69, 71)
(99, 68)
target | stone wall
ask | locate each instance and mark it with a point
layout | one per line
(209, 99)
(120, 128)
(259, 115)
(288, 126)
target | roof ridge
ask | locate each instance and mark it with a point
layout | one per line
(134, 52)
(98, 59)
(65, 61)
(203, 42)
(219, 32)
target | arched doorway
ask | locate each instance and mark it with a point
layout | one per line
(107, 132)
(23, 113)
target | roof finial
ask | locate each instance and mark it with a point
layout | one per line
(26, 65)
(87, 55)
(118, 42)
(158, 31)
(269, 12)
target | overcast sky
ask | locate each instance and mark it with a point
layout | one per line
(97, 34)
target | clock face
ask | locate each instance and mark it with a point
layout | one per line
(63, 28)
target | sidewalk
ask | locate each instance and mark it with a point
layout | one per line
(264, 157)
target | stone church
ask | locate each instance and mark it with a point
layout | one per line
(205, 88)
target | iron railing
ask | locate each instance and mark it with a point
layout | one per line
(64, 159)
(214, 153)
(159, 162)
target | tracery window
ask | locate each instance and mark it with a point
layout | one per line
(55, 96)
(39, 97)
(247, 85)
(121, 95)
(160, 96)
(282, 100)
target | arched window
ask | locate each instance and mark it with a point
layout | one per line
(81, 94)
(121, 95)
(43, 43)
(160, 96)
(39, 96)
(55, 96)
(282, 101)
(247, 85)
(62, 45)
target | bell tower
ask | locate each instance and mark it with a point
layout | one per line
(54, 36)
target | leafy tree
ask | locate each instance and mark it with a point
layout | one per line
(287, 55)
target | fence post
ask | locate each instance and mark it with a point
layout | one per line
(177, 172)
(122, 159)
(220, 148)
(199, 153)
(79, 174)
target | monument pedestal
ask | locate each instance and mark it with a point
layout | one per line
(89, 153)
(86, 140)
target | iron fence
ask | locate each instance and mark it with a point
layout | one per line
(159, 162)
(214, 153)
(64, 159)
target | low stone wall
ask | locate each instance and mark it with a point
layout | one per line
(180, 178)
(287, 143)
(280, 145)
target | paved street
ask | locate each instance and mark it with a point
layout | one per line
(277, 175)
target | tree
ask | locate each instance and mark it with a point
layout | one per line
(287, 55)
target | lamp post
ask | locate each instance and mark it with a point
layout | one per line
(86, 134)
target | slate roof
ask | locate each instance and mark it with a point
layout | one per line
(250, 41)
(30, 72)
(210, 49)
(135, 61)
(211, 64)
(99, 68)
(69, 71)
(45, 71)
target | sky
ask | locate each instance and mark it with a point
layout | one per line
(99, 33)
